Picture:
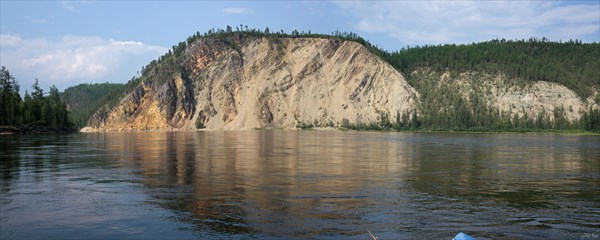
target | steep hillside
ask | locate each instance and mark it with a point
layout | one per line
(261, 83)
(245, 80)
(479, 100)
(573, 64)
(505, 85)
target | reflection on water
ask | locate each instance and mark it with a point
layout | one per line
(299, 184)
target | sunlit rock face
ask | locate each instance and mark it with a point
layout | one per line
(248, 82)
(265, 84)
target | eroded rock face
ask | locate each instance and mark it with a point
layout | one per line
(530, 100)
(150, 107)
(263, 84)
(286, 82)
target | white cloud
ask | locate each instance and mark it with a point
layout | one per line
(434, 22)
(10, 40)
(74, 59)
(237, 10)
(315, 8)
(67, 5)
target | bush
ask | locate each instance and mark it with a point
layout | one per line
(200, 123)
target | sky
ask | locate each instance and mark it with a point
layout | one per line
(64, 43)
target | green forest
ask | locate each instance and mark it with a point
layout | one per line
(573, 64)
(34, 112)
(85, 99)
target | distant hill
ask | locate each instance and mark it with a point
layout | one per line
(85, 99)
(573, 64)
(501, 84)
(228, 79)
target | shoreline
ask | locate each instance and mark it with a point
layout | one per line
(24, 130)
(516, 131)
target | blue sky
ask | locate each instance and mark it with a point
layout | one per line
(64, 43)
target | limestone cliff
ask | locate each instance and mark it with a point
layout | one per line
(261, 83)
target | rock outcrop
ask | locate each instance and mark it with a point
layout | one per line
(248, 83)
(530, 99)
(259, 83)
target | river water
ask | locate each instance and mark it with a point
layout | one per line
(277, 184)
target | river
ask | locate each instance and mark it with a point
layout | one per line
(276, 184)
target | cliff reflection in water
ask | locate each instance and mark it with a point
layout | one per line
(262, 181)
(321, 183)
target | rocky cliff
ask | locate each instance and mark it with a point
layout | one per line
(262, 83)
(530, 99)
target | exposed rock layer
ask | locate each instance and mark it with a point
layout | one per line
(264, 84)
(530, 99)
(261, 83)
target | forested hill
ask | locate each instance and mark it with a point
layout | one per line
(495, 85)
(573, 64)
(85, 99)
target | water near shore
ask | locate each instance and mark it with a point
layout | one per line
(298, 185)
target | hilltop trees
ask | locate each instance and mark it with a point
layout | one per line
(573, 64)
(522, 62)
(35, 109)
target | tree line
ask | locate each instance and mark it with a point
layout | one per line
(34, 110)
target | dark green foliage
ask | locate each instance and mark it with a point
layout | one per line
(55, 111)
(573, 64)
(85, 99)
(304, 125)
(591, 120)
(35, 109)
(200, 123)
(10, 100)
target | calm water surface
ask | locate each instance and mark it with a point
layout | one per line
(298, 185)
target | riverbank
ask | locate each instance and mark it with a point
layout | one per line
(9, 130)
(509, 131)
(473, 131)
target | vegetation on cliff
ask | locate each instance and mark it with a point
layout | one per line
(573, 64)
(35, 112)
(442, 106)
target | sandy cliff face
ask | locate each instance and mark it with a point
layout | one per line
(262, 83)
(523, 100)
(249, 83)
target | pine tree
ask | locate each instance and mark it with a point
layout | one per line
(10, 100)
